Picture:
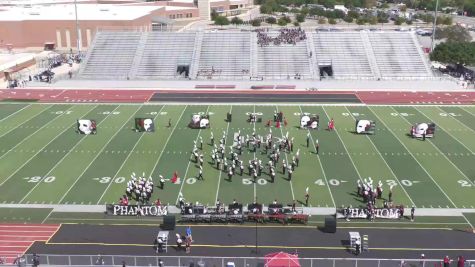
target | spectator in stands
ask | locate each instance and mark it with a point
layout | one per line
(461, 261)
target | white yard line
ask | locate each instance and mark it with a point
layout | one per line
(32, 134)
(442, 153)
(47, 216)
(455, 117)
(57, 163)
(430, 176)
(188, 167)
(390, 169)
(320, 163)
(287, 160)
(254, 155)
(29, 119)
(467, 110)
(471, 225)
(166, 142)
(220, 172)
(348, 153)
(97, 155)
(39, 150)
(15, 112)
(125, 160)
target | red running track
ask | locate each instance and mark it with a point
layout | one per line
(141, 96)
(80, 96)
(15, 239)
(382, 97)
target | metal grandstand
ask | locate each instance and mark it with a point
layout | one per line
(235, 55)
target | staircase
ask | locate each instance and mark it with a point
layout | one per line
(88, 54)
(312, 59)
(195, 59)
(253, 54)
(423, 56)
(370, 54)
(138, 55)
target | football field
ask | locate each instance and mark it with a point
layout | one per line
(43, 160)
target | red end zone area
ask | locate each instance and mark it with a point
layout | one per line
(141, 96)
(15, 239)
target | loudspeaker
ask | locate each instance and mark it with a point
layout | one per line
(168, 222)
(330, 224)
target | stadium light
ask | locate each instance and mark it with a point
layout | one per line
(433, 27)
(78, 38)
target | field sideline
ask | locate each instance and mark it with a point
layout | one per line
(43, 159)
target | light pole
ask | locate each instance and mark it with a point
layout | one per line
(433, 27)
(78, 34)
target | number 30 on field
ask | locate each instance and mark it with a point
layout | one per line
(37, 179)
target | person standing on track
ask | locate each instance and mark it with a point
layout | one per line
(307, 197)
(413, 210)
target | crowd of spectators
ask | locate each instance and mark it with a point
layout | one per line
(286, 36)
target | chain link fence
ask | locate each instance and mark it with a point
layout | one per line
(175, 261)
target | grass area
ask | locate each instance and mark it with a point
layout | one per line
(44, 161)
(23, 215)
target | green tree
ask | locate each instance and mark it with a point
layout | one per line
(383, 17)
(348, 19)
(296, 24)
(372, 20)
(369, 3)
(300, 18)
(454, 33)
(322, 20)
(282, 21)
(408, 21)
(214, 14)
(220, 20)
(454, 53)
(353, 14)
(271, 20)
(236, 21)
(332, 21)
(255, 22)
(399, 21)
(266, 9)
(361, 21)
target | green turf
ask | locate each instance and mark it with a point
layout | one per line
(23, 215)
(470, 217)
(43, 160)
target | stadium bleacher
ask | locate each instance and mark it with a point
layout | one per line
(398, 55)
(111, 56)
(284, 60)
(163, 51)
(227, 53)
(345, 51)
(233, 55)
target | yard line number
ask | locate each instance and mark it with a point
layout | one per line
(465, 183)
(337, 182)
(354, 114)
(403, 114)
(59, 112)
(106, 180)
(249, 181)
(450, 114)
(37, 179)
(109, 113)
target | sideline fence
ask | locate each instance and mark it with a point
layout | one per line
(172, 261)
